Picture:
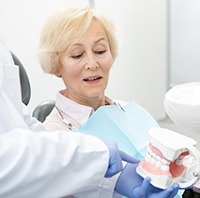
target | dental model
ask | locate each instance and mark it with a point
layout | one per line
(164, 161)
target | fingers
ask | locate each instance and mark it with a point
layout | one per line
(128, 158)
(166, 193)
(169, 192)
(175, 190)
(115, 163)
(141, 191)
(113, 169)
(145, 183)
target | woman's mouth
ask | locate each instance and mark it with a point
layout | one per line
(92, 79)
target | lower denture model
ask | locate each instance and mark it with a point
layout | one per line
(164, 161)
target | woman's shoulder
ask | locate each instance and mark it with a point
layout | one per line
(54, 122)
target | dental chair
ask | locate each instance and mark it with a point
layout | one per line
(43, 110)
(24, 80)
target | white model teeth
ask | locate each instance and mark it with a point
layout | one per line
(148, 158)
(165, 162)
(159, 162)
(158, 158)
(164, 168)
(153, 160)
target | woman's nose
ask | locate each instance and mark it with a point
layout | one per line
(91, 62)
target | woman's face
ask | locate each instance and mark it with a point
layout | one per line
(85, 66)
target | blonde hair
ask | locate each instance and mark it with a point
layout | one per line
(64, 28)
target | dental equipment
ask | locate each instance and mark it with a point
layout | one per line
(166, 159)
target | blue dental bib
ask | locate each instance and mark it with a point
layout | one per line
(128, 127)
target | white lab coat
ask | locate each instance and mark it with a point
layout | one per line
(42, 164)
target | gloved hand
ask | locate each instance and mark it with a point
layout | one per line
(115, 159)
(132, 185)
(170, 192)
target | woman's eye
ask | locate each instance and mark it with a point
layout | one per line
(100, 52)
(77, 56)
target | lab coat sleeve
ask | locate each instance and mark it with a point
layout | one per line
(50, 164)
(104, 190)
(32, 123)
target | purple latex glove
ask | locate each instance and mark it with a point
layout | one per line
(132, 185)
(115, 159)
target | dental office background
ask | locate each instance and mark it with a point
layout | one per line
(159, 46)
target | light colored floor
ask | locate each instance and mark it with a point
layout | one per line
(167, 123)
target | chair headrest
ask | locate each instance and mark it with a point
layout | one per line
(24, 80)
(43, 110)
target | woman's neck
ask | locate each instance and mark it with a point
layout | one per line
(95, 102)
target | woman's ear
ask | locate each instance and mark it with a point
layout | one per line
(58, 73)
(58, 67)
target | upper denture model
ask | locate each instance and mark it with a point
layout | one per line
(164, 161)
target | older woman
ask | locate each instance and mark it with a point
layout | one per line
(80, 46)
